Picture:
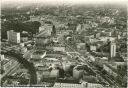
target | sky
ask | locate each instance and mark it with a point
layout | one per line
(22, 3)
(64, 1)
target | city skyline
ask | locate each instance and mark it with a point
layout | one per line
(64, 44)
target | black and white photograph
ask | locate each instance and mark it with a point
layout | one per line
(63, 43)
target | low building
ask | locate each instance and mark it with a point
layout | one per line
(93, 47)
(54, 73)
(78, 72)
(23, 50)
(91, 58)
(81, 46)
(38, 54)
(91, 85)
(42, 41)
(24, 39)
(111, 38)
(77, 85)
(104, 59)
(117, 64)
(59, 49)
(46, 27)
(97, 35)
(43, 38)
(67, 85)
(110, 70)
(66, 66)
(22, 44)
(55, 39)
(34, 18)
(8, 64)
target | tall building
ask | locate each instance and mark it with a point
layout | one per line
(112, 49)
(2, 57)
(13, 37)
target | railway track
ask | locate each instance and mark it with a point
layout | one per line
(107, 79)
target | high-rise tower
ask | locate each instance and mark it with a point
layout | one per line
(112, 49)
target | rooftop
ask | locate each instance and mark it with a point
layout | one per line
(39, 52)
(113, 69)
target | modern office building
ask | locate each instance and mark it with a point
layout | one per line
(112, 49)
(13, 37)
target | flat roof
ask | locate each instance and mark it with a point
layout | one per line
(39, 52)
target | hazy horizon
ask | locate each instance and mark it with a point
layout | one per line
(7, 3)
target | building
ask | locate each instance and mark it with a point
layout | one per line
(110, 70)
(48, 27)
(101, 61)
(82, 27)
(8, 64)
(110, 34)
(38, 54)
(93, 47)
(107, 19)
(42, 41)
(77, 85)
(118, 36)
(67, 85)
(97, 35)
(59, 48)
(34, 18)
(54, 73)
(78, 72)
(43, 38)
(66, 66)
(2, 57)
(112, 49)
(91, 58)
(13, 37)
(81, 46)
(24, 39)
(111, 38)
(55, 39)
(23, 50)
(91, 85)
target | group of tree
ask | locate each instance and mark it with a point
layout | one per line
(18, 26)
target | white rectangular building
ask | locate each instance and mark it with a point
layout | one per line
(13, 37)
(113, 49)
(92, 47)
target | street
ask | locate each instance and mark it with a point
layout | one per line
(106, 79)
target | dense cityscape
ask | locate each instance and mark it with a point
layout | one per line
(64, 46)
